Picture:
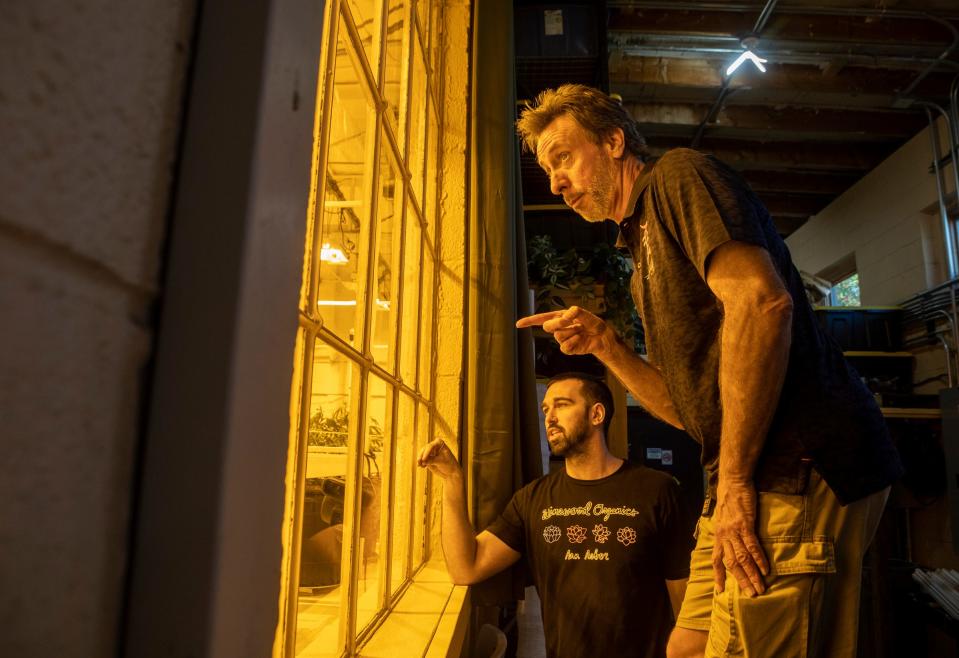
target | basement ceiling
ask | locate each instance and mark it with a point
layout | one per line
(839, 95)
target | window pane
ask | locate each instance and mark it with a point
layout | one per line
(332, 432)
(387, 259)
(394, 81)
(403, 489)
(367, 22)
(423, 436)
(417, 105)
(375, 491)
(409, 323)
(426, 321)
(345, 217)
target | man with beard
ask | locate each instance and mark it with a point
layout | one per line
(606, 541)
(798, 458)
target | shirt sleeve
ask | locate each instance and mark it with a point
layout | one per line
(703, 203)
(675, 532)
(510, 526)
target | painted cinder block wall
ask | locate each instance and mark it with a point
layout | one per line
(90, 110)
(889, 220)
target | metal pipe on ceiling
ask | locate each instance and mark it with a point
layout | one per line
(942, 56)
(724, 90)
(814, 11)
(948, 233)
(764, 17)
(679, 5)
(713, 111)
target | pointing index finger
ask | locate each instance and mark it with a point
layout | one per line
(538, 319)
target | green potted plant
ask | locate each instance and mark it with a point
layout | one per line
(596, 278)
(332, 431)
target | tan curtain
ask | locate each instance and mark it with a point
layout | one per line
(503, 441)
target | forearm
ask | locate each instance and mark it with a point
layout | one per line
(643, 380)
(754, 355)
(458, 537)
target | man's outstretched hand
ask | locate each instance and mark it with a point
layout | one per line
(438, 458)
(575, 329)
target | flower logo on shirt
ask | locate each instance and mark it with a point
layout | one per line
(600, 533)
(626, 536)
(576, 534)
(551, 533)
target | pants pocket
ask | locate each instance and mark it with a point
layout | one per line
(782, 621)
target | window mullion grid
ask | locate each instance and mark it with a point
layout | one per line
(323, 151)
(354, 484)
(362, 363)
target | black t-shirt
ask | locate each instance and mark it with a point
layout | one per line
(686, 205)
(600, 552)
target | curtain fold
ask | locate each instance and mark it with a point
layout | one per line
(501, 433)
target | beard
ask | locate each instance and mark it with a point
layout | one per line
(599, 194)
(568, 442)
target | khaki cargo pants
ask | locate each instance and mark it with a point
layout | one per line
(810, 607)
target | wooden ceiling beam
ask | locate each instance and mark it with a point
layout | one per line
(787, 156)
(777, 123)
(856, 31)
(656, 79)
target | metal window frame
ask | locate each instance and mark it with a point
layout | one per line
(362, 362)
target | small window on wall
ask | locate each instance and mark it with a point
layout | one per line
(844, 276)
(846, 291)
(362, 388)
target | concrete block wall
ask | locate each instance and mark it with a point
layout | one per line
(89, 114)
(884, 220)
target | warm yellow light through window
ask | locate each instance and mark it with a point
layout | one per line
(380, 303)
(332, 255)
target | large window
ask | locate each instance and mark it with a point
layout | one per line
(363, 392)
